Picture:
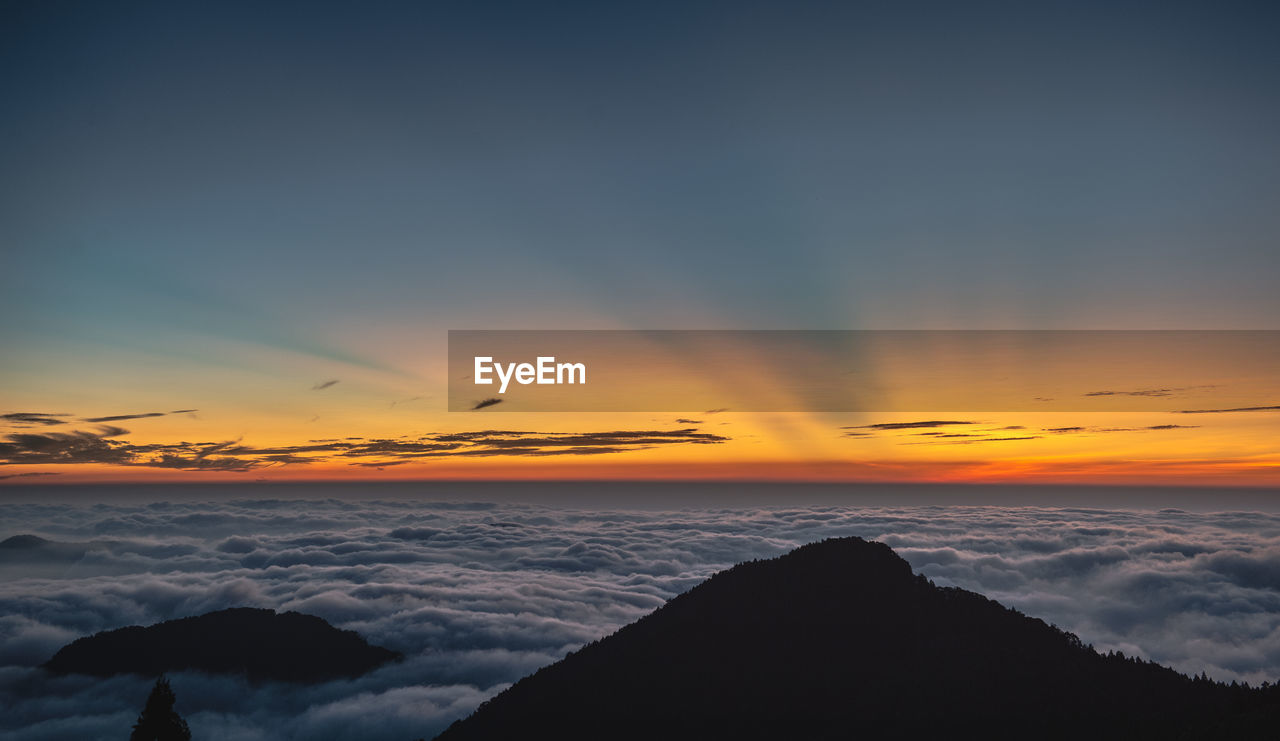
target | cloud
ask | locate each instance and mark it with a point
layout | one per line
(95, 447)
(29, 419)
(1062, 430)
(1151, 392)
(141, 415)
(478, 594)
(120, 417)
(527, 443)
(28, 474)
(486, 403)
(942, 437)
(908, 425)
(80, 447)
(199, 463)
(321, 386)
(509, 438)
(1224, 411)
(63, 448)
(682, 421)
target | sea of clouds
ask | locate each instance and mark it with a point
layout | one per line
(478, 594)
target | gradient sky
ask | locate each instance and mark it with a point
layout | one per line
(223, 207)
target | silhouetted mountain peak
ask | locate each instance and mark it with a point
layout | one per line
(840, 638)
(23, 541)
(256, 643)
(825, 566)
(35, 555)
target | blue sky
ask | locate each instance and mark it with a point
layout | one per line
(746, 165)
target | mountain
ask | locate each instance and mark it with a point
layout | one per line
(28, 549)
(840, 639)
(23, 542)
(259, 644)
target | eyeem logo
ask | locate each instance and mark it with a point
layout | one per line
(689, 372)
(545, 371)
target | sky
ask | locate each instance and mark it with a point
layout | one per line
(232, 233)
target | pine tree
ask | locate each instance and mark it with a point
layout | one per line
(158, 721)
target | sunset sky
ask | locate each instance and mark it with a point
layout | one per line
(233, 239)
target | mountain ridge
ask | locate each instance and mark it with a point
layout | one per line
(841, 637)
(257, 643)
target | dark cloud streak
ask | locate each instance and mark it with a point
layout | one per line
(121, 417)
(26, 419)
(83, 447)
(1225, 411)
(908, 425)
(1151, 392)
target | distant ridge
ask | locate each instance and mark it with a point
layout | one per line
(256, 643)
(28, 549)
(840, 639)
(24, 541)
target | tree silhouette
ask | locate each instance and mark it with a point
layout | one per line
(158, 721)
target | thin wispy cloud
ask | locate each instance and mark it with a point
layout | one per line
(30, 419)
(936, 431)
(909, 425)
(121, 417)
(969, 440)
(1225, 411)
(1152, 392)
(486, 403)
(29, 474)
(138, 415)
(1068, 430)
(324, 385)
